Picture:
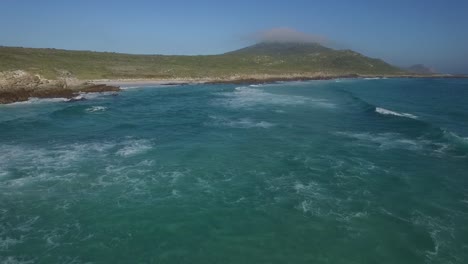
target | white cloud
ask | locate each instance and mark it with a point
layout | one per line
(285, 34)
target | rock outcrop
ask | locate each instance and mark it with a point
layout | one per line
(16, 86)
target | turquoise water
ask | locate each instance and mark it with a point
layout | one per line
(345, 171)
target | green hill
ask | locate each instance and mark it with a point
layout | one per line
(273, 59)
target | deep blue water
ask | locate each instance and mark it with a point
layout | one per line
(342, 171)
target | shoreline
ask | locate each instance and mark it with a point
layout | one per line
(257, 80)
(11, 96)
(26, 90)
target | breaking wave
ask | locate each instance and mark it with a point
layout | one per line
(96, 109)
(411, 133)
(370, 108)
(384, 111)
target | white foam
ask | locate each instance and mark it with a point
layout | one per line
(241, 123)
(27, 225)
(248, 97)
(14, 260)
(360, 215)
(306, 206)
(95, 95)
(96, 109)
(312, 190)
(4, 174)
(248, 123)
(384, 111)
(77, 98)
(52, 238)
(440, 231)
(87, 237)
(129, 87)
(175, 193)
(80, 96)
(385, 211)
(205, 185)
(56, 163)
(34, 100)
(322, 103)
(137, 178)
(64, 205)
(386, 140)
(173, 176)
(134, 147)
(456, 138)
(241, 199)
(7, 242)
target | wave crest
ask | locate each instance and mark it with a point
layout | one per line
(93, 109)
(384, 111)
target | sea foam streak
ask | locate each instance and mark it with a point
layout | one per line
(96, 109)
(134, 147)
(384, 111)
(34, 100)
(58, 163)
(240, 123)
(247, 97)
(80, 97)
(456, 140)
(386, 140)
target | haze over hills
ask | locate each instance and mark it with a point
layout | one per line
(269, 59)
(421, 69)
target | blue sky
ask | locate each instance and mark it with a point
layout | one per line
(401, 32)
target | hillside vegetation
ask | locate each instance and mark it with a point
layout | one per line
(272, 59)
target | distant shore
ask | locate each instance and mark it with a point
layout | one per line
(185, 81)
(21, 86)
(252, 79)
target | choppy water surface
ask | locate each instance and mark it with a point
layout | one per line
(345, 171)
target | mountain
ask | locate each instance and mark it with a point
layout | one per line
(316, 58)
(263, 59)
(281, 49)
(420, 69)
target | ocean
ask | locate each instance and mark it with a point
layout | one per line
(337, 171)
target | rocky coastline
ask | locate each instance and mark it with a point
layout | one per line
(18, 86)
(256, 79)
